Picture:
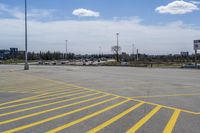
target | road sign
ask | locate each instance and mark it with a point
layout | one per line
(196, 44)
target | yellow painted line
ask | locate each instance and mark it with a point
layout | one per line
(143, 120)
(58, 92)
(23, 99)
(137, 100)
(58, 116)
(30, 87)
(43, 100)
(44, 105)
(14, 91)
(47, 91)
(172, 95)
(172, 122)
(86, 117)
(112, 120)
(168, 107)
(30, 90)
(55, 89)
(31, 98)
(49, 110)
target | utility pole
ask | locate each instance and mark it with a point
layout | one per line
(133, 48)
(66, 41)
(117, 47)
(137, 55)
(99, 51)
(195, 58)
(26, 66)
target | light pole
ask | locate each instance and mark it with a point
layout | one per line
(99, 51)
(117, 47)
(133, 51)
(66, 47)
(26, 66)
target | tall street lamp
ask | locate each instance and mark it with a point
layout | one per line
(117, 47)
(26, 66)
(66, 46)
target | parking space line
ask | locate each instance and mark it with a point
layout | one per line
(172, 95)
(27, 90)
(63, 87)
(43, 100)
(143, 120)
(76, 91)
(168, 107)
(137, 100)
(50, 110)
(58, 92)
(86, 117)
(117, 117)
(31, 97)
(45, 91)
(14, 91)
(23, 99)
(172, 122)
(32, 88)
(50, 89)
(58, 116)
(44, 105)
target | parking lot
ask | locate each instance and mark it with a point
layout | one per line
(99, 99)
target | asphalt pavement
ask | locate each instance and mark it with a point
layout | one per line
(76, 99)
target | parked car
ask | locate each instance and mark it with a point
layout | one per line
(190, 65)
(40, 62)
(124, 63)
(54, 62)
(46, 63)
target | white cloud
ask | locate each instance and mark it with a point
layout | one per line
(19, 14)
(86, 36)
(195, 2)
(85, 13)
(178, 7)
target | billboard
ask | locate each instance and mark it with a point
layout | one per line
(196, 44)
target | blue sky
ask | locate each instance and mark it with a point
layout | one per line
(121, 15)
(108, 9)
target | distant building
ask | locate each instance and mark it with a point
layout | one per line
(4, 54)
(13, 52)
(184, 53)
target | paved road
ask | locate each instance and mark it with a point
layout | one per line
(99, 99)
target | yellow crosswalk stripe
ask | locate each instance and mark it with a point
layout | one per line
(49, 110)
(112, 120)
(86, 117)
(143, 120)
(172, 122)
(58, 116)
(71, 93)
(44, 105)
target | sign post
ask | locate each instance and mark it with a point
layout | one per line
(196, 47)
